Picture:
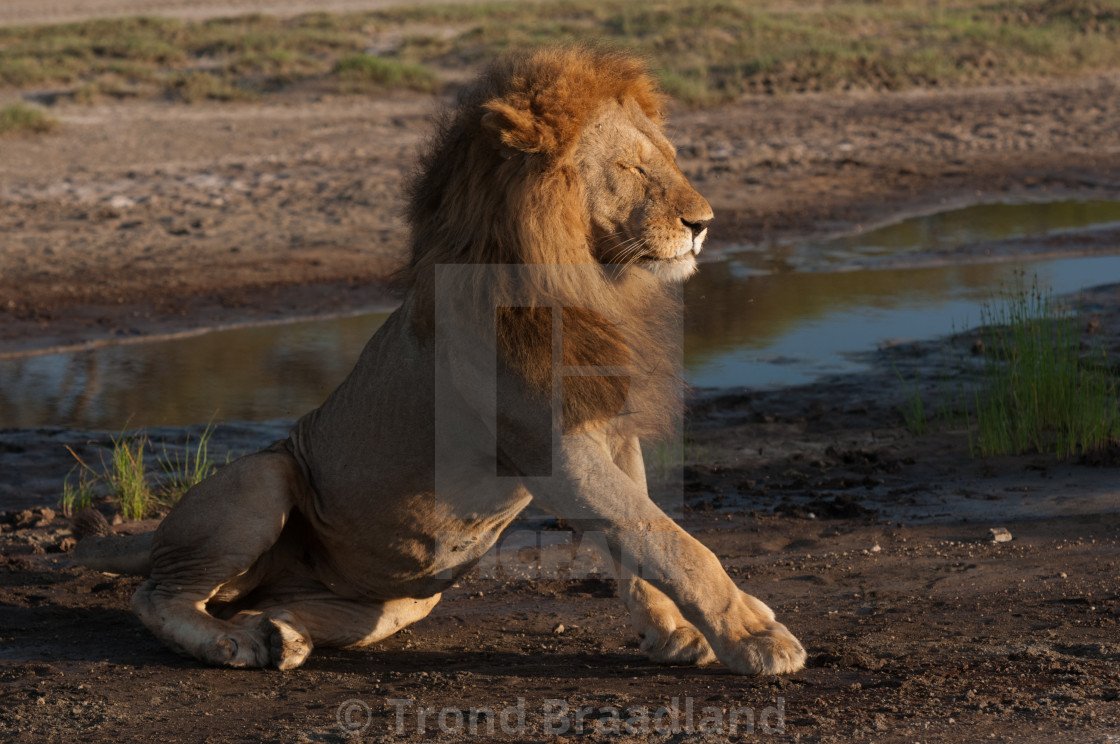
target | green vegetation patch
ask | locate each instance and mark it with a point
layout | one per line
(1044, 386)
(19, 117)
(1041, 392)
(123, 476)
(362, 72)
(705, 51)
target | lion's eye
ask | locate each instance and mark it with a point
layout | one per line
(635, 168)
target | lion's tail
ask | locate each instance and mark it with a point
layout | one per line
(98, 548)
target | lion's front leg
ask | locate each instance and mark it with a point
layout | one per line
(740, 629)
(594, 494)
(667, 637)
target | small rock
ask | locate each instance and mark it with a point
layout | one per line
(559, 629)
(1063, 575)
(876, 548)
(120, 201)
(39, 516)
(1000, 534)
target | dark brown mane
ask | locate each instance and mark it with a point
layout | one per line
(498, 185)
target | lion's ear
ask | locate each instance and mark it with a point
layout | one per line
(493, 124)
(514, 130)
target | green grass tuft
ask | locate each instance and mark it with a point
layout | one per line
(126, 477)
(181, 473)
(360, 72)
(1040, 389)
(77, 494)
(123, 475)
(19, 117)
(1040, 392)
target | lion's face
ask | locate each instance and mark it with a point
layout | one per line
(643, 211)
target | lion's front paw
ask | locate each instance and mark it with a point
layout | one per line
(684, 645)
(757, 643)
(772, 650)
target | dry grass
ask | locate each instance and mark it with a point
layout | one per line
(358, 73)
(706, 51)
(16, 118)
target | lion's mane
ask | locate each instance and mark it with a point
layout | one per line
(498, 185)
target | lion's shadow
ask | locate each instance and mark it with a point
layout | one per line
(52, 633)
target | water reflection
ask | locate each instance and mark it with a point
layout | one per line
(790, 328)
(976, 224)
(760, 316)
(247, 374)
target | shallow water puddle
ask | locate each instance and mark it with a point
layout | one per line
(979, 223)
(245, 374)
(760, 316)
(787, 329)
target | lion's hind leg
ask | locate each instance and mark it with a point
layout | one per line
(289, 630)
(217, 543)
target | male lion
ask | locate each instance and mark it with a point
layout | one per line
(549, 197)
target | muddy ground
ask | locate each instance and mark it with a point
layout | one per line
(147, 218)
(873, 545)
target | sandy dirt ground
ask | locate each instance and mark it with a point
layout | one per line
(873, 545)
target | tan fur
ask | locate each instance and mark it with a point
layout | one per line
(555, 163)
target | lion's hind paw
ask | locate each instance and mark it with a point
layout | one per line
(288, 647)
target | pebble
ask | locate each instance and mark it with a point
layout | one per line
(1000, 534)
(559, 629)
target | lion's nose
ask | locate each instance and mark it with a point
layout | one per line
(696, 226)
